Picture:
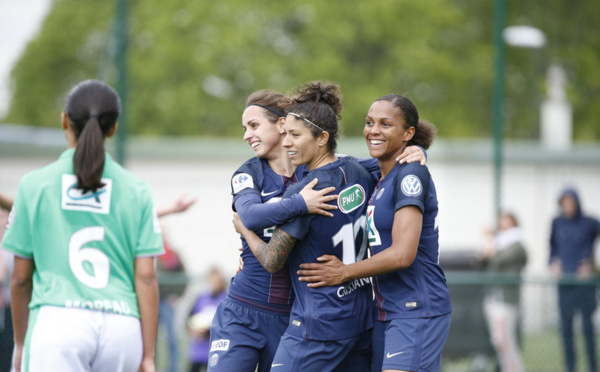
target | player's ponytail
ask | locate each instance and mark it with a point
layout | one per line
(424, 134)
(93, 109)
(424, 131)
(321, 105)
(273, 102)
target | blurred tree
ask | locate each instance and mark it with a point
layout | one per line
(192, 64)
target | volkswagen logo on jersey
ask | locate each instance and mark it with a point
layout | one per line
(411, 185)
(351, 198)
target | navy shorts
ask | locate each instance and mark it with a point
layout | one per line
(410, 344)
(243, 336)
(346, 355)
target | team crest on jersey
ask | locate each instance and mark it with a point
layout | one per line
(351, 198)
(214, 360)
(241, 181)
(75, 199)
(411, 185)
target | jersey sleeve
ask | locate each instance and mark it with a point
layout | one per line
(245, 181)
(150, 242)
(17, 236)
(256, 215)
(298, 227)
(411, 186)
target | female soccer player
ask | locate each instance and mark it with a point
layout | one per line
(250, 322)
(329, 327)
(84, 233)
(411, 296)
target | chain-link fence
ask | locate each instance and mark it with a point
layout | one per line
(538, 318)
(468, 347)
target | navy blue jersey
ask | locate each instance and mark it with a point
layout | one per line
(254, 284)
(420, 290)
(332, 313)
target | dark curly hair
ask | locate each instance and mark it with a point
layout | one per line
(321, 104)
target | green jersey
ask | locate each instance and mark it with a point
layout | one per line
(84, 244)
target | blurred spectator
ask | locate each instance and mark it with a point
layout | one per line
(504, 253)
(170, 288)
(201, 318)
(6, 262)
(571, 249)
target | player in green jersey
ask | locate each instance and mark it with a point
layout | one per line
(84, 233)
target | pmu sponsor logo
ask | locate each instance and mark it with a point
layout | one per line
(351, 198)
(113, 306)
(219, 345)
(352, 286)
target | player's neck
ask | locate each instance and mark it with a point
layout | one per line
(282, 165)
(321, 161)
(386, 164)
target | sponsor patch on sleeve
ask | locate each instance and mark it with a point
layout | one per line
(411, 185)
(241, 181)
(219, 345)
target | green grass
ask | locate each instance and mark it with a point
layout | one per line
(542, 352)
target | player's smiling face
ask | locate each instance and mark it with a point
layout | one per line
(385, 131)
(301, 145)
(261, 134)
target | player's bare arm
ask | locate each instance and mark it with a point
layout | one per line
(21, 287)
(272, 256)
(400, 255)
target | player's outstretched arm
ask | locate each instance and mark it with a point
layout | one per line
(272, 256)
(146, 288)
(257, 215)
(21, 286)
(406, 232)
(181, 204)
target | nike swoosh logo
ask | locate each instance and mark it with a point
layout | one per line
(393, 355)
(263, 193)
(276, 365)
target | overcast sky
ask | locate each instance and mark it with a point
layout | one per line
(20, 21)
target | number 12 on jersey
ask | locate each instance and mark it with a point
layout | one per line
(347, 236)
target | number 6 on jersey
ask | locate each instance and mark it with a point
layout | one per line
(78, 255)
